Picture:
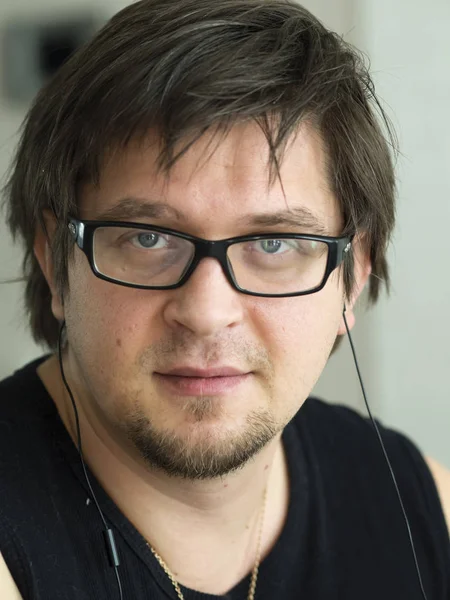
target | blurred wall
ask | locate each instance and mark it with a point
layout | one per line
(16, 346)
(409, 46)
(401, 345)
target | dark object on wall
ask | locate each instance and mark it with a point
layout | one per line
(33, 50)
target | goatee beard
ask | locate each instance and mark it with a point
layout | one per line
(212, 456)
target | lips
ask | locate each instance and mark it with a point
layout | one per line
(204, 373)
(190, 381)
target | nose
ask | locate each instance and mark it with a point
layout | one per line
(207, 303)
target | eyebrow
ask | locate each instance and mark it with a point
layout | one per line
(299, 216)
(131, 208)
(138, 208)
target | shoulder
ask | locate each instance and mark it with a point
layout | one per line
(19, 392)
(23, 375)
(349, 442)
(27, 434)
(8, 588)
(441, 477)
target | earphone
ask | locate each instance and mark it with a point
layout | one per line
(109, 533)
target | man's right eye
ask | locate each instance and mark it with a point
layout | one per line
(147, 240)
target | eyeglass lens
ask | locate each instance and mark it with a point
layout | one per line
(267, 266)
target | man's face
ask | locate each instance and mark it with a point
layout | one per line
(121, 339)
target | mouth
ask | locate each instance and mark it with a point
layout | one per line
(195, 385)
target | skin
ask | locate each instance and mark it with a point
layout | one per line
(8, 588)
(204, 528)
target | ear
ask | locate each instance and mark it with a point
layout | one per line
(42, 251)
(362, 271)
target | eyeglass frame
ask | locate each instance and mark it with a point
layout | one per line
(83, 231)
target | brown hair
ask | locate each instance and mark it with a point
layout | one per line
(183, 67)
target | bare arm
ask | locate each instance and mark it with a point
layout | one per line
(8, 589)
(442, 477)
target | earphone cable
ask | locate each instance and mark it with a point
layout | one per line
(108, 532)
(386, 457)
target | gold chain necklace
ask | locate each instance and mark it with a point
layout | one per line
(252, 588)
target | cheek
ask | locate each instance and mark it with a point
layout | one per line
(300, 333)
(107, 321)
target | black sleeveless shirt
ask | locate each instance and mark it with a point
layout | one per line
(344, 537)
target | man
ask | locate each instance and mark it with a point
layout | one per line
(203, 192)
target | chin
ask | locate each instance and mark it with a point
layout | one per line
(204, 448)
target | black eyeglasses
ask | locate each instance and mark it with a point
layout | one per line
(156, 258)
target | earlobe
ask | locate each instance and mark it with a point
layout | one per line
(350, 316)
(43, 255)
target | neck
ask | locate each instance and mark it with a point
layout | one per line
(205, 531)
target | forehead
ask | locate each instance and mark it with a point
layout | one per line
(219, 182)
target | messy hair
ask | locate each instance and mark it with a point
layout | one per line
(183, 68)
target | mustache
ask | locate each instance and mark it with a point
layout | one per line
(181, 349)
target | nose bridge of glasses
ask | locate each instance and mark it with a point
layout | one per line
(212, 249)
